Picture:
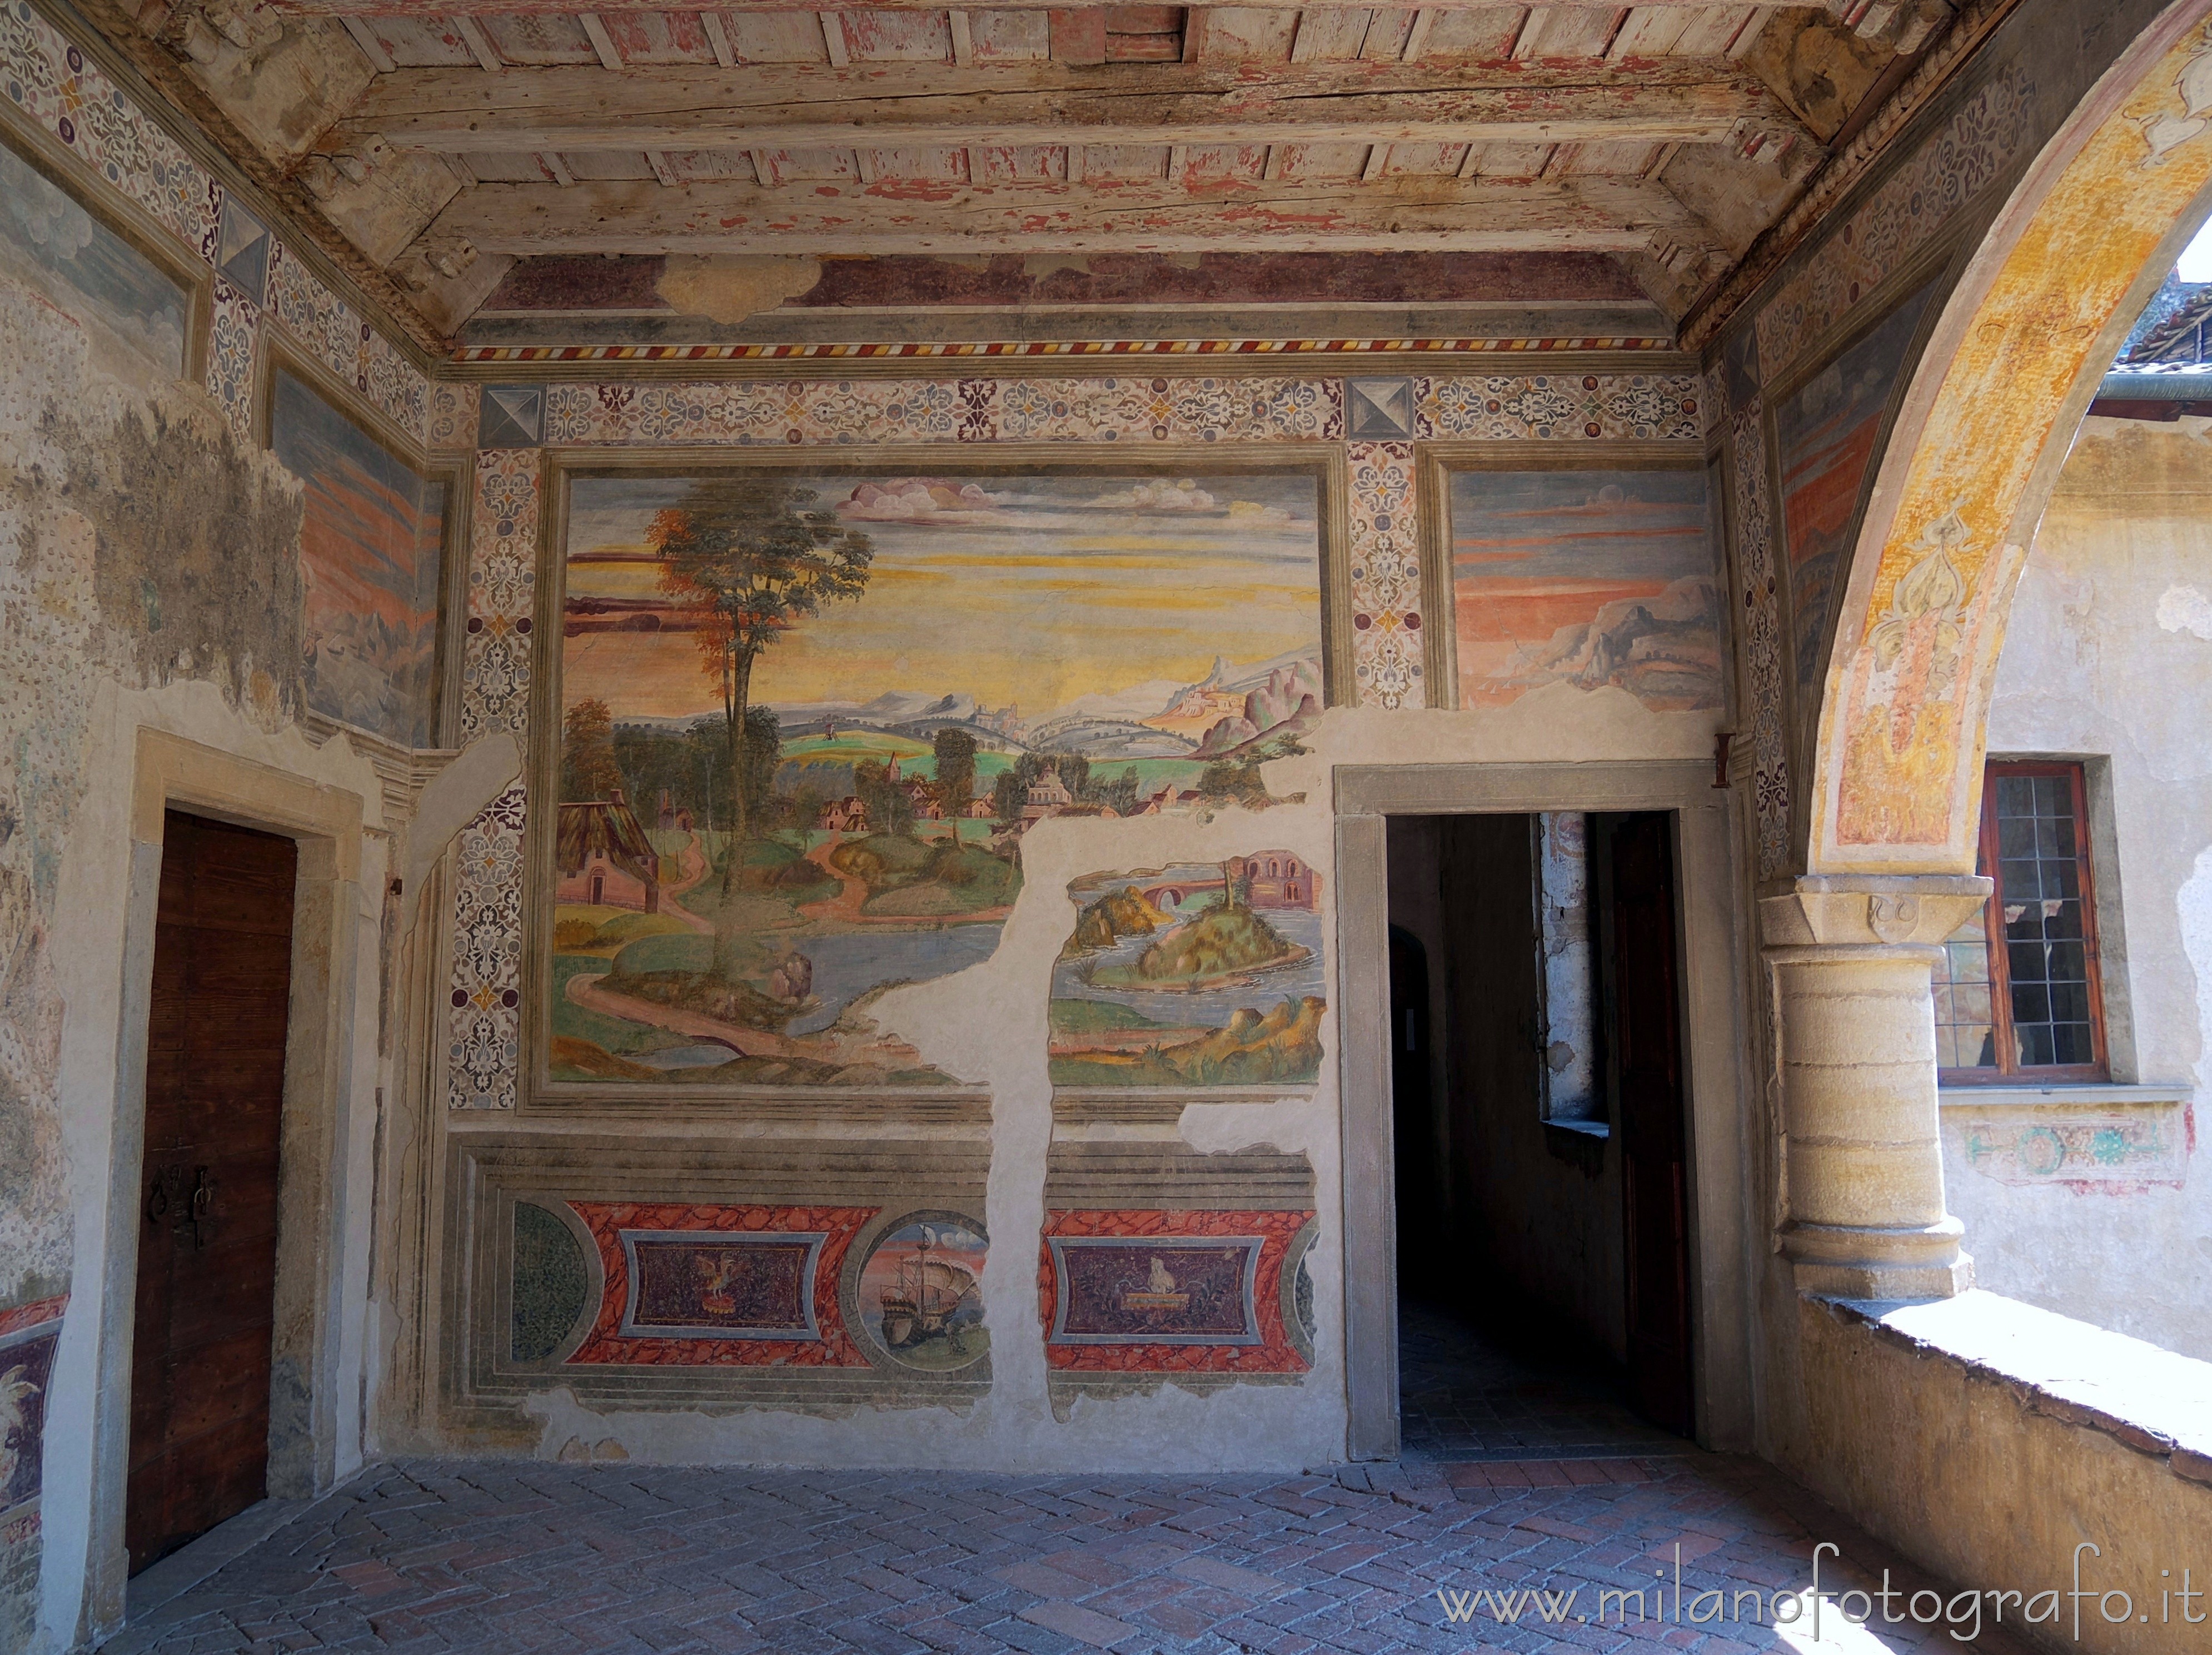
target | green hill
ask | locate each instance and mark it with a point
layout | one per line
(1220, 942)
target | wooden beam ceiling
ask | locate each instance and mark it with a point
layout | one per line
(906, 106)
(1426, 214)
(529, 7)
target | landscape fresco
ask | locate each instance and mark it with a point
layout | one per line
(50, 238)
(1825, 434)
(1203, 974)
(808, 719)
(371, 547)
(1589, 578)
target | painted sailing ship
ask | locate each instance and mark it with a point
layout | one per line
(924, 1295)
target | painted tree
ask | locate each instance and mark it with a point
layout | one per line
(588, 770)
(750, 556)
(956, 772)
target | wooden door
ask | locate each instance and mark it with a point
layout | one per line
(1655, 1185)
(207, 1228)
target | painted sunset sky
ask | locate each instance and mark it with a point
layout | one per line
(1032, 591)
(1542, 559)
(371, 548)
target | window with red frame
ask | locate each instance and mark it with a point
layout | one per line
(2017, 991)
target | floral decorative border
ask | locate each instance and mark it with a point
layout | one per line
(1588, 407)
(484, 1050)
(1761, 635)
(1973, 150)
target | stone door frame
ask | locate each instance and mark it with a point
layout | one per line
(313, 1218)
(1718, 1078)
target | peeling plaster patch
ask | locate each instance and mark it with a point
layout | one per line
(2186, 609)
(729, 289)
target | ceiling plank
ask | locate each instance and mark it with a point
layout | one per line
(833, 39)
(963, 39)
(602, 42)
(925, 104)
(479, 43)
(370, 47)
(728, 215)
(374, 7)
(718, 37)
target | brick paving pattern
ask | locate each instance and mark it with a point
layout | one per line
(490, 1556)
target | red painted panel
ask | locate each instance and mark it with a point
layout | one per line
(1275, 1353)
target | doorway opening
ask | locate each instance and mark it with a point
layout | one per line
(1543, 1222)
(206, 1296)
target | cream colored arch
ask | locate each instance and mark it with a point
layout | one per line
(1985, 425)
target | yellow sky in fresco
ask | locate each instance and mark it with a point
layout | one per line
(1064, 591)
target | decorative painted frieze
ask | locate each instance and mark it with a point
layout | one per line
(1589, 407)
(1192, 1291)
(484, 1051)
(1971, 151)
(1386, 576)
(1760, 637)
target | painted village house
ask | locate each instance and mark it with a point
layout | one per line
(603, 858)
(1580, 634)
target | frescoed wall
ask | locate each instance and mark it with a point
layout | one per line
(1827, 432)
(1592, 578)
(809, 720)
(372, 549)
(1195, 975)
(47, 238)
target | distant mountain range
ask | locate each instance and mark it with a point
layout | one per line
(1106, 725)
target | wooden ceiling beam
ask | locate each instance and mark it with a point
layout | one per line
(1595, 214)
(923, 105)
(567, 8)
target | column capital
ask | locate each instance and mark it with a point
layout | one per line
(1868, 910)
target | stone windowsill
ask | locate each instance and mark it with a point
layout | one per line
(2153, 1400)
(2071, 1093)
(1581, 1128)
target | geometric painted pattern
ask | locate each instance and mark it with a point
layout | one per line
(484, 1051)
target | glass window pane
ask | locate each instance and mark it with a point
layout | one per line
(2063, 832)
(1970, 1003)
(2022, 878)
(2025, 960)
(2016, 837)
(2070, 1002)
(2016, 796)
(2052, 795)
(2031, 1004)
(2072, 1044)
(2062, 920)
(2033, 1040)
(2069, 963)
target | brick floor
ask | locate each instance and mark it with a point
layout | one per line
(1518, 1479)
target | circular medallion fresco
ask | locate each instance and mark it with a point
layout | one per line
(922, 1293)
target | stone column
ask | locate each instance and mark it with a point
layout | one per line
(1852, 959)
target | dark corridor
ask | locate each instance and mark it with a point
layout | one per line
(1539, 1144)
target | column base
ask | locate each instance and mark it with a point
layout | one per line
(1838, 1260)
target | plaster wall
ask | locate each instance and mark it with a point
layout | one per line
(149, 576)
(2108, 660)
